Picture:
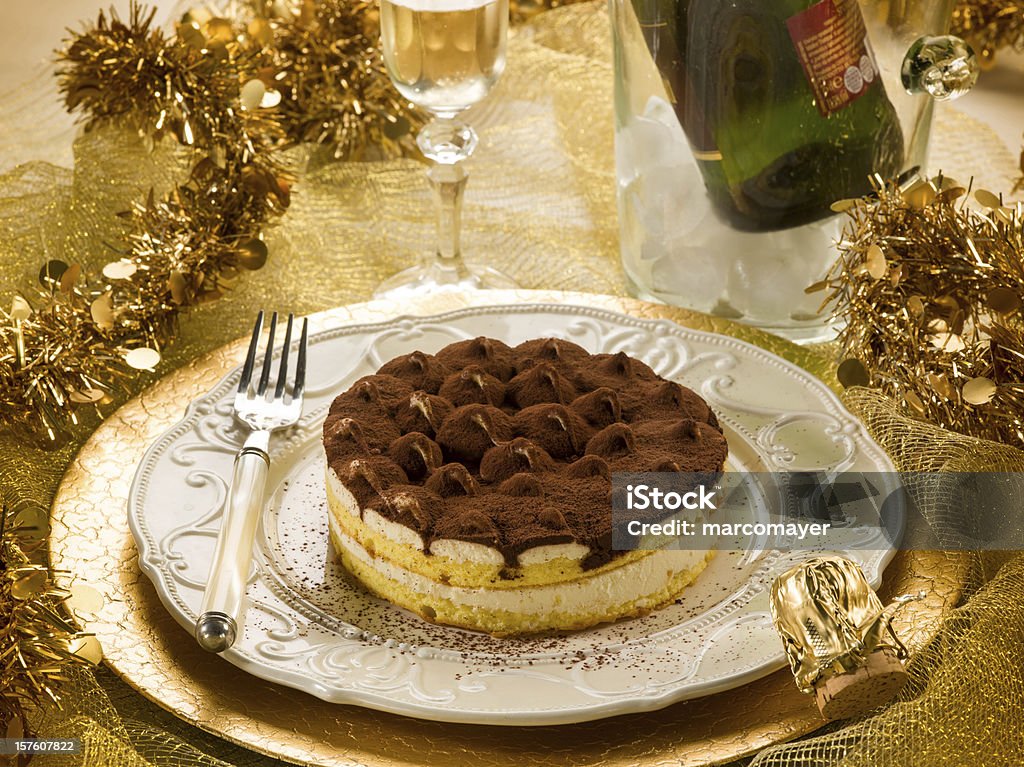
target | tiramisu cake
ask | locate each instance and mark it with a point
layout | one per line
(473, 486)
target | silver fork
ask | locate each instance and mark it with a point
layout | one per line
(262, 411)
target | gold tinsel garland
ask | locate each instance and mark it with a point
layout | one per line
(37, 643)
(931, 291)
(989, 25)
(72, 340)
(235, 95)
(324, 60)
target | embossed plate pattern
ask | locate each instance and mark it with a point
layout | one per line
(309, 627)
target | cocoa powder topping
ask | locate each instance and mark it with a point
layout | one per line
(513, 447)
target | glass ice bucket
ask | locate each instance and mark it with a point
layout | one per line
(739, 123)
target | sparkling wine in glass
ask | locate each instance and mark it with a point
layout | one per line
(445, 56)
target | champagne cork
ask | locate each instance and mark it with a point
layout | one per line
(859, 691)
(838, 636)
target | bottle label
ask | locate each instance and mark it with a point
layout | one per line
(832, 46)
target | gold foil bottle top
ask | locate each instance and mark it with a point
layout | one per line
(831, 621)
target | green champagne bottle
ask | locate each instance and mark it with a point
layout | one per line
(781, 101)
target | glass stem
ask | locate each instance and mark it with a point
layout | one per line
(448, 141)
(449, 184)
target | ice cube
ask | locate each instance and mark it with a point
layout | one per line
(694, 274)
(768, 281)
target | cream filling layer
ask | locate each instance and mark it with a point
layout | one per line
(458, 551)
(603, 592)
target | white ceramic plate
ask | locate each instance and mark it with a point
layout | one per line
(310, 627)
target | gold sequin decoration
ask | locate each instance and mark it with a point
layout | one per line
(949, 316)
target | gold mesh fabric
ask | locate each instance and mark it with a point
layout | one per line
(540, 205)
(964, 703)
(923, 447)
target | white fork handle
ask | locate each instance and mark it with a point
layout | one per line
(221, 612)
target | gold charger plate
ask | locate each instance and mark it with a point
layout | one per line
(145, 647)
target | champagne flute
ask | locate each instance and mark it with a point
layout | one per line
(445, 56)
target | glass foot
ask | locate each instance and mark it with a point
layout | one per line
(438, 276)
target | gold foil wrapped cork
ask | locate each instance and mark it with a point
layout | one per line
(838, 637)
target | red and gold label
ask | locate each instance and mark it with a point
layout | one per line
(832, 46)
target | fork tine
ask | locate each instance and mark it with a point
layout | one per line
(267, 357)
(250, 357)
(300, 366)
(282, 375)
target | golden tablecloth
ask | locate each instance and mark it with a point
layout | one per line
(540, 206)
